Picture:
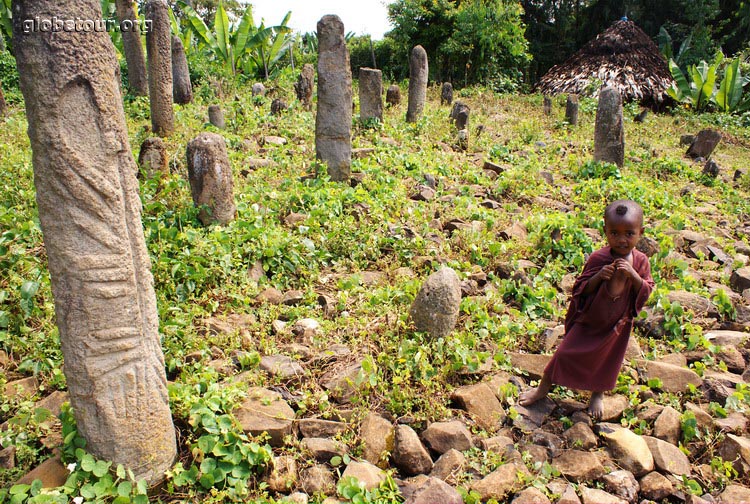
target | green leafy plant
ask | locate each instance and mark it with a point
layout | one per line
(697, 88)
(354, 491)
(728, 97)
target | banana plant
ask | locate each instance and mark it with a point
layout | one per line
(269, 44)
(6, 25)
(729, 95)
(699, 91)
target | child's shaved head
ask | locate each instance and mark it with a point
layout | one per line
(624, 209)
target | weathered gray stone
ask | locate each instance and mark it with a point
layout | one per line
(182, 88)
(377, 435)
(317, 427)
(284, 474)
(655, 486)
(449, 466)
(579, 466)
(211, 181)
(581, 436)
(317, 478)
(460, 115)
(409, 455)
(153, 158)
(216, 116)
(333, 122)
(571, 110)
(668, 425)
(132, 47)
(323, 449)
(305, 85)
(258, 89)
(727, 338)
(433, 491)
(443, 436)
(370, 94)
(265, 411)
(530, 495)
(282, 366)
(500, 482)
(667, 457)
(674, 378)
(740, 279)
(596, 496)
(628, 449)
(481, 403)
(89, 209)
(435, 309)
(278, 106)
(369, 475)
(393, 95)
(417, 83)
(159, 49)
(609, 133)
(622, 484)
(446, 93)
(533, 416)
(704, 144)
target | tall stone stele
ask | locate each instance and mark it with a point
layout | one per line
(333, 122)
(370, 94)
(132, 46)
(159, 48)
(89, 210)
(182, 88)
(609, 134)
(417, 83)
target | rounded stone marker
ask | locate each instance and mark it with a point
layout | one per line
(216, 116)
(211, 182)
(304, 85)
(435, 309)
(182, 89)
(417, 83)
(370, 94)
(393, 95)
(333, 122)
(159, 49)
(152, 157)
(446, 93)
(89, 211)
(571, 109)
(609, 134)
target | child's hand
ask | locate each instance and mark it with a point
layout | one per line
(607, 271)
(623, 265)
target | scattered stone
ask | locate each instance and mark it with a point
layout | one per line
(52, 473)
(481, 403)
(393, 95)
(629, 450)
(159, 50)
(449, 466)
(282, 366)
(284, 475)
(270, 295)
(735, 494)
(703, 144)
(370, 94)
(733, 359)
(274, 140)
(435, 309)
(377, 436)
(668, 425)
(530, 495)
(417, 83)
(501, 482)
(668, 457)
(581, 436)
(596, 496)
(342, 384)
(182, 89)
(367, 474)
(531, 364)
(295, 498)
(424, 193)
(655, 486)
(740, 279)
(609, 136)
(323, 449)
(443, 436)
(674, 379)
(648, 246)
(278, 106)
(736, 422)
(258, 89)
(317, 479)
(293, 298)
(622, 484)
(333, 122)
(409, 455)
(569, 496)
(571, 110)
(211, 182)
(433, 491)
(533, 416)
(578, 466)
(319, 428)
(8, 457)
(736, 449)
(614, 406)
(699, 305)
(153, 158)
(304, 85)
(264, 411)
(25, 387)
(295, 218)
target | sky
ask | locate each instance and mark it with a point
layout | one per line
(359, 16)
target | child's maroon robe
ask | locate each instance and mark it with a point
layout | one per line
(597, 327)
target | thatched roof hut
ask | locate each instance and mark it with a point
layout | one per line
(622, 56)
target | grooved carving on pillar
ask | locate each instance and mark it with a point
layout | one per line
(90, 215)
(159, 48)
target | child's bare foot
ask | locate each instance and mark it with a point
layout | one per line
(536, 394)
(596, 405)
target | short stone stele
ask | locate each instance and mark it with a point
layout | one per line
(435, 309)
(211, 182)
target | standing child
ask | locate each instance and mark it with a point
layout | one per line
(613, 287)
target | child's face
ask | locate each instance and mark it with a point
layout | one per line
(622, 234)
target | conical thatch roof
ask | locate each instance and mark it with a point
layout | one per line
(622, 56)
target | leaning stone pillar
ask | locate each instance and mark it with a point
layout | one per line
(417, 83)
(333, 123)
(132, 46)
(159, 48)
(370, 94)
(609, 135)
(90, 215)
(182, 89)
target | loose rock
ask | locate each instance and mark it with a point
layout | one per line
(265, 411)
(409, 455)
(435, 309)
(443, 436)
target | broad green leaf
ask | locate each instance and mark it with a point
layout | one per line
(221, 27)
